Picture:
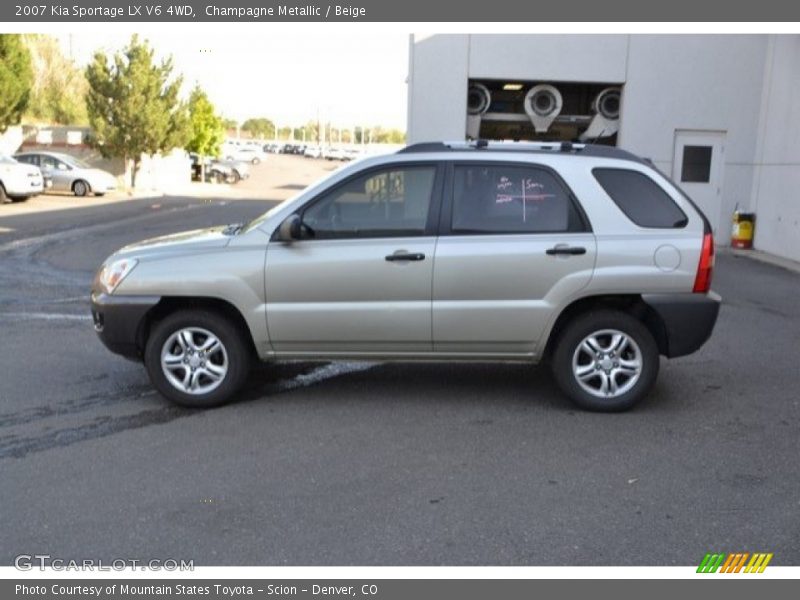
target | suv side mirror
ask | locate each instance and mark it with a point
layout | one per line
(290, 229)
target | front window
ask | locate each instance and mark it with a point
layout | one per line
(386, 203)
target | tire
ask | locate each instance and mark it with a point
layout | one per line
(255, 161)
(235, 177)
(231, 359)
(80, 188)
(624, 355)
(3, 197)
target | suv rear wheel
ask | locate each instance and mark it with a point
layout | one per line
(606, 361)
(197, 358)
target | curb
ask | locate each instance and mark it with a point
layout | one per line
(764, 257)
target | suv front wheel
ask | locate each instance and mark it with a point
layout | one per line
(197, 358)
(605, 361)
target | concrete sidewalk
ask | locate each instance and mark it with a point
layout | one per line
(764, 257)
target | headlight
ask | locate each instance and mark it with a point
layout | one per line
(113, 273)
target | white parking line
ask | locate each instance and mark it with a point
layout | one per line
(324, 372)
(73, 299)
(78, 232)
(43, 316)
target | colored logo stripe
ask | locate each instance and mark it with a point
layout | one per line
(758, 563)
(710, 563)
(734, 562)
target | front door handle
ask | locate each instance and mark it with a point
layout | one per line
(573, 250)
(406, 256)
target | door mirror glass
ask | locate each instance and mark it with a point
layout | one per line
(290, 229)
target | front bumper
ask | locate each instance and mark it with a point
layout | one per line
(688, 319)
(119, 320)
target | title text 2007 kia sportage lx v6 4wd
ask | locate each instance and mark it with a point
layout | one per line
(584, 256)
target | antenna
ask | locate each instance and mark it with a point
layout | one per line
(599, 135)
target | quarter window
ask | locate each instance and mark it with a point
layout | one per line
(641, 199)
(388, 203)
(510, 199)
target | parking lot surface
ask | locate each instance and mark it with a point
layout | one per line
(395, 464)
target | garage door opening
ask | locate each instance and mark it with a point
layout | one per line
(537, 111)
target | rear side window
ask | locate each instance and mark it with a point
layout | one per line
(510, 199)
(640, 198)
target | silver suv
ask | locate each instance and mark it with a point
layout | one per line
(582, 256)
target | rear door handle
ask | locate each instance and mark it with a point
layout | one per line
(573, 250)
(406, 256)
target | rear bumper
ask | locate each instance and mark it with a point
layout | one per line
(118, 321)
(688, 319)
(23, 189)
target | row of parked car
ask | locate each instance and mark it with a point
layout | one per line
(313, 150)
(28, 174)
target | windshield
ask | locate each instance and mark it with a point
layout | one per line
(314, 187)
(255, 223)
(74, 162)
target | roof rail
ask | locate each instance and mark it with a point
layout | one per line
(595, 150)
(502, 145)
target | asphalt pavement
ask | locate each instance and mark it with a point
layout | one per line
(390, 464)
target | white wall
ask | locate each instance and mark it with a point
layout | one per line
(586, 58)
(437, 88)
(776, 189)
(11, 140)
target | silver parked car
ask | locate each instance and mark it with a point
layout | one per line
(582, 256)
(70, 174)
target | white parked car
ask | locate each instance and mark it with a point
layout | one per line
(334, 153)
(244, 153)
(313, 152)
(18, 181)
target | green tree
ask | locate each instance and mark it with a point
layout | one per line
(230, 123)
(59, 87)
(259, 128)
(207, 129)
(16, 79)
(385, 136)
(133, 105)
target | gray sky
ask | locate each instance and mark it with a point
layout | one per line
(351, 78)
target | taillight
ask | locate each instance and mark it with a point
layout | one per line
(702, 282)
